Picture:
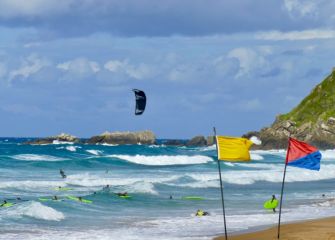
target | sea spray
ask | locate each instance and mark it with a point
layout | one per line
(34, 210)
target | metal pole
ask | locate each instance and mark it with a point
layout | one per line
(221, 187)
(282, 190)
(281, 199)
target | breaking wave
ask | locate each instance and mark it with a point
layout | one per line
(35, 210)
(37, 157)
(94, 152)
(162, 160)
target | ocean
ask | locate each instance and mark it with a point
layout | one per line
(150, 175)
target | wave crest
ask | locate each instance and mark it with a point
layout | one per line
(162, 160)
(35, 210)
(37, 157)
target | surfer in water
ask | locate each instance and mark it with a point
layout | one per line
(124, 194)
(3, 204)
(273, 198)
(61, 172)
(106, 188)
(55, 198)
(201, 213)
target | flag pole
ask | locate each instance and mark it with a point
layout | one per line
(282, 189)
(221, 187)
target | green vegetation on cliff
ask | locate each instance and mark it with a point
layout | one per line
(318, 105)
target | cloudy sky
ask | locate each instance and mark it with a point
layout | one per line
(69, 65)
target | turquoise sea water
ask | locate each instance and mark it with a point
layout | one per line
(150, 174)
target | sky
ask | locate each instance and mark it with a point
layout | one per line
(70, 65)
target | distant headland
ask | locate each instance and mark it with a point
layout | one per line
(312, 121)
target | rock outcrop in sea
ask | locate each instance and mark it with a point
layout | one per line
(198, 141)
(61, 138)
(312, 121)
(142, 137)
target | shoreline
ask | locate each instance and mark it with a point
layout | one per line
(307, 230)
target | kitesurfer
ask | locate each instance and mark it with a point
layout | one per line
(55, 198)
(273, 198)
(61, 172)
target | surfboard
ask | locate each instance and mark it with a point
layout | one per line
(270, 205)
(192, 198)
(48, 199)
(63, 189)
(125, 197)
(7, 205)
(77, 199)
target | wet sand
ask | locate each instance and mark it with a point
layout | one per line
(310, 230)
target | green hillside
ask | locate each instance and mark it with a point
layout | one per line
(319, 104)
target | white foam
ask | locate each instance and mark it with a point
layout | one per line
(328, 154)
(141, 187)
(130, 184)
(156, 146)
(37, 157)
(71, 148)
(35, 210)
(107, 144)
(29, 184)
(229, 164)
(162, 160)
(279, 152)
(276, 174)
(174, 227)
(94, 152)
(56, 142)
(209, 148)
(255, 156)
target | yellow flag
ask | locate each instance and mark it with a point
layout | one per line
(233, 149)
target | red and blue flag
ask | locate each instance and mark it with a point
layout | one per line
(303, 155)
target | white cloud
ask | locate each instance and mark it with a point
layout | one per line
(297, 35)
(80, 66)
(32, 44)
(114, 65)
(30, 65)
(301, 8)
(225, 66)
(186, 73)
(140, 71)
(249, 60)
(15, 8)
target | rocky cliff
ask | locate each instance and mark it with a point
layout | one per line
(313, 120)
(61, 138)
(143, 137)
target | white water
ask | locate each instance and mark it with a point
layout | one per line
(95, 152)
(34, 210)
(164, 159)
(37, 157)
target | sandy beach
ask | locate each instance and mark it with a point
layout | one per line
(309, 230)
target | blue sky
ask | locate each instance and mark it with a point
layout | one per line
(69, 65)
